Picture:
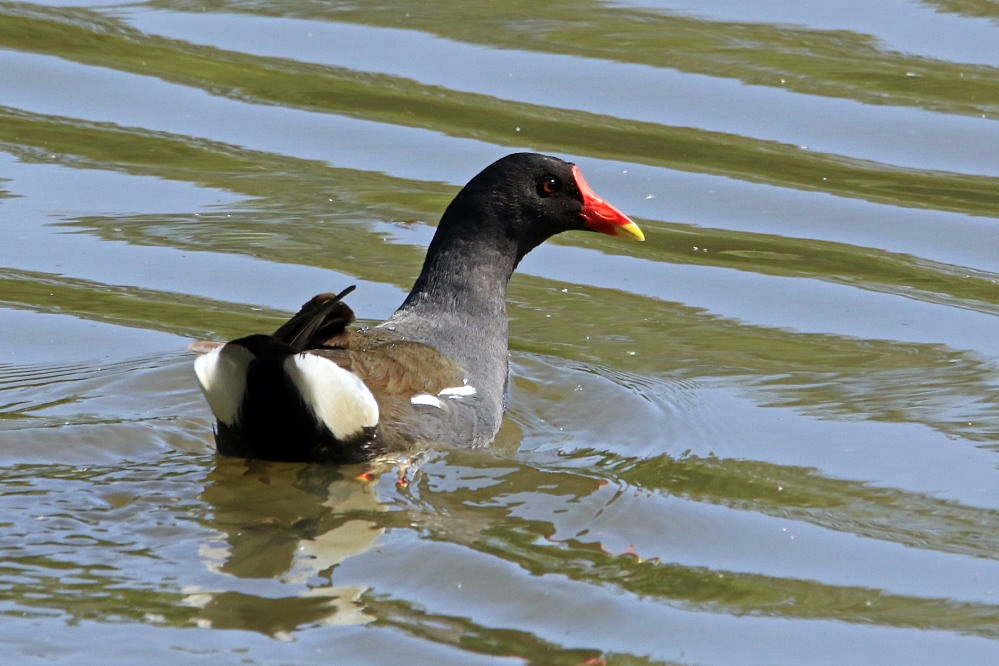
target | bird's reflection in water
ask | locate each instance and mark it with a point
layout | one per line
(282, 530)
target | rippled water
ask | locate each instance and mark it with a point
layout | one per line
(768, 435)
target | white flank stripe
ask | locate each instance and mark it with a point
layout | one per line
(222, 375)
(336, 396)
(427, 400)
(458, 391)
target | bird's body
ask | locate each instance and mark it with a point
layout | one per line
(435, 371)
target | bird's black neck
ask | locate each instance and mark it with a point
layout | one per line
(463, 277)
(468, 264)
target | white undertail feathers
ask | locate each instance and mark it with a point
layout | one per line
(336, 397)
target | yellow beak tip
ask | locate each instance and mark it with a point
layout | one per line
(631, 231)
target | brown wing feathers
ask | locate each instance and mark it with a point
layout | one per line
(395, 370)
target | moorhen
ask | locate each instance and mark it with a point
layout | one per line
(434, 372)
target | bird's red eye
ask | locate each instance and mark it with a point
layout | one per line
(548, 185)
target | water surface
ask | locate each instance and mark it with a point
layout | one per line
(768, 435)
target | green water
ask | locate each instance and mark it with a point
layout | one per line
(767, 435)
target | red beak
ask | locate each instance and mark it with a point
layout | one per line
(598, 215)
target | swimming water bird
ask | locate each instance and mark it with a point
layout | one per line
(435, 371)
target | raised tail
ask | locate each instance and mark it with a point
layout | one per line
(275, 402)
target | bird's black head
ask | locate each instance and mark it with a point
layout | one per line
(525, 198)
